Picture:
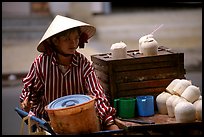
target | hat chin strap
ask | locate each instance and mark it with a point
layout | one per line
(66, 55)
(63, 54)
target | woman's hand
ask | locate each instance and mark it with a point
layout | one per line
(111, 127)
(26, 105)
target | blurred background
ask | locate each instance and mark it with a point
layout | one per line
(24, 23)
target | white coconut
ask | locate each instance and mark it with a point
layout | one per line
(176, 101)
(181, 86)
(191, 93)
(142, 39)
(170, 87)
(198, 106)
(149, 47)
(185, 112)
(161, 102)
(169, 107)
(119, 50)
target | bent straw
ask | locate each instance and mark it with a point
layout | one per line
(156, 29)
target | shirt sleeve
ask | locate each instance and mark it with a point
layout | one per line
(27, 84)
(31, 86)
(106, 113)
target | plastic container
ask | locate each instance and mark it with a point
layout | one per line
(73, 114)
(125, 107)
(145, 105)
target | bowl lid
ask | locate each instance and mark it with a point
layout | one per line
(67, 101)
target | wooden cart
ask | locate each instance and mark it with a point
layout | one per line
(163, 125)
(144, 75)
(153, 125)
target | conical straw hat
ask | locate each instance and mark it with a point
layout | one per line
(61, 23)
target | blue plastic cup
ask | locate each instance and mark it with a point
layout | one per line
(145, 105)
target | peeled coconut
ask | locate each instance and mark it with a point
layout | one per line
(176, 101)
(185, 112)
(169, 107)
(119, 50)
(142, 39)
(149, 47)
(170, 87)
(181, 86)
(191, 93)
(161, 102)
(198, 107)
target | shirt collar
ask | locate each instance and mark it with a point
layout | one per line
(75, 59)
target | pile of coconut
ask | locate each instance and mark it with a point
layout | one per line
(181, 100)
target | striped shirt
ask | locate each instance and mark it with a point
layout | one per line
(45, 82)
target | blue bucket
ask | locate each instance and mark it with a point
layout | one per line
(145, 105)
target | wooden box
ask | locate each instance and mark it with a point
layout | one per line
(137, 74)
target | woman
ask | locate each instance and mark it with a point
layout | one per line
(60, 70)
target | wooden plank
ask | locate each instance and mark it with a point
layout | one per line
(164, 125)
(136, 54)
(144, 84)
(112, 81)
(100, 67)
(105, 85)
(145, 59)
(181, 65)
(137, 92)
(133, 93)
(161, 122)
(150, 65)
(97, 60)
(163, 53)
(149, 74)
(102, 76)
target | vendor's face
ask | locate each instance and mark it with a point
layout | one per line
(67, 43)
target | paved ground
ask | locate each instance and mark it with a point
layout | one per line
(178, 32)
(182, 31)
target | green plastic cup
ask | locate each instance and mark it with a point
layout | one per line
(126, 107)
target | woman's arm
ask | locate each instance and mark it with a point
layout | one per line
(31, 85)
(105, 111)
